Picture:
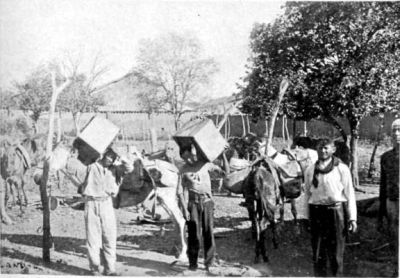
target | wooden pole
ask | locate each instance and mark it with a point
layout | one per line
(46, 167)
(282, 90)
(153, 139)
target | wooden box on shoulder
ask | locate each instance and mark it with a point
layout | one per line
(204, 135)
(94, 139)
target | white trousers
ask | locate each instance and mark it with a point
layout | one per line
(101, 233)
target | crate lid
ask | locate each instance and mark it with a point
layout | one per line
(203, 134)
(99, 133)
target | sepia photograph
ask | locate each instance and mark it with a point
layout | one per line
(199, 138)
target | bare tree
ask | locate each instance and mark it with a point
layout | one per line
(56, 89)
(78, 96)
(173, 66)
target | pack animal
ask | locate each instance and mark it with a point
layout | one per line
(14, 165)
(289, 166)
(158, 180)
(262, 195)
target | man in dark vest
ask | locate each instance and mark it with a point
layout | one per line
(389, 187)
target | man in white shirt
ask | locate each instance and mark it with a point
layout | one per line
(330, 207)
(101, 228)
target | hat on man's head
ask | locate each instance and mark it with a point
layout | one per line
(396, 123)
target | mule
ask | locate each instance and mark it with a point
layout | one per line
(157, 180)
(15, 162)
(290, 167)
(262, 196)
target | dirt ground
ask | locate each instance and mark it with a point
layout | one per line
(150, 249)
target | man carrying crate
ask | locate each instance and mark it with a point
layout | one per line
(100, 185)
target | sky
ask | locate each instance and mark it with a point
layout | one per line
(33, 32)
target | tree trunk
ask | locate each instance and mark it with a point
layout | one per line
(176, 122)
(287, 132)
(372, 168)
(59, 129)
(75, 116)
(35, 127)
(3, 213)
(282, 90)
(354, 126)
(46, 213)
(337, 125)
(294, 128)
(305, 129)
(243, 126)
(153, 139)
(46, 167)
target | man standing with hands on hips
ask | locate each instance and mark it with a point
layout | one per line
(330, 208)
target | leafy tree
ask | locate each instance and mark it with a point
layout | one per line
(342, 58)
(7, 100)
(34, 93)
(169, 71)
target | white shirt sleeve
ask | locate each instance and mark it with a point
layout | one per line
(348, 191)
(308, 176)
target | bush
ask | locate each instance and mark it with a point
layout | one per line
(15, 127)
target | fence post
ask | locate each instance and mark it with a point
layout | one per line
(153, 139)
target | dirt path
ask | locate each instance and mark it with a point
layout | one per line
(150, 249)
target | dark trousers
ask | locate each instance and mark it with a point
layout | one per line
(328, 232)
(200, 225)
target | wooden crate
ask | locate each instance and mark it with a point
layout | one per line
(94, 139)
(204, 136)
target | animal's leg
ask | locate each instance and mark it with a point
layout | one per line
(23, 191)
(258, 242)
(3, 213)
(6, 194)
(262, 232)
(252, 216)
(220, 185)
(18, 186)
(167, 198)
(58, 177)
(282, 212)
(263, 247)
(274, 238)
(10, 184)
(294, 210)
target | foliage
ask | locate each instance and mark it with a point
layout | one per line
(15, 127)
(342, 59)
(7, 99)
(173, 67)
(34, 93)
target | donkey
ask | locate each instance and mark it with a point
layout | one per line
(14, 164)
(157, 180)
(262, 197)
